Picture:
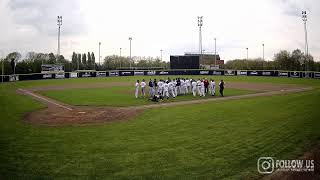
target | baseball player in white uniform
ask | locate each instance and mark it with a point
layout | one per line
(199, 87)
(194, 87)
(202, 89)
(182, 90)
(160, 90)
(137, 89)
(166, 90)
(213, 87)
(143, 86)
(171, 89)
(188, 81)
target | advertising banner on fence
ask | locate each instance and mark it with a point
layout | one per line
(316, 75)
(252, 73)
(230, 73)
(267, 73)
(242, 73)
(162, 72)
(150, 73)
(13, 78)
(138, 73)
(113, 73)
(204, 72)
(73, 75)
(126, 73)
(217, 73)
(86, 74)
(295, 74)
(59, 76)
(101, 74)
(47, 76)
(283, 74)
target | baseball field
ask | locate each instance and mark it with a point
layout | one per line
(94, 128)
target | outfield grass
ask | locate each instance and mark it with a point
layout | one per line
(215, 140)
(120, 96)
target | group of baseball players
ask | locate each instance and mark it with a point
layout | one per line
(175, 87)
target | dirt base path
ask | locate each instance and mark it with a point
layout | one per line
(59, 113)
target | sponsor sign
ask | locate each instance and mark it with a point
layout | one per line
(113, 73)
(126, 73)
(101, 74)
(217, 72)
(295, 74)
(266, 73)
(242, 73)
(163, 73)
(229, 73)
(204, 72)
(73, 75)
(138, 73)
(47, 76)
(59, 75)
(317, 75)
(253, 73)
(14, 78)
(52, 68)
(151, 73)
(86, 74)
(283, 74)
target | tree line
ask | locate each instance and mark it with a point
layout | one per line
(284, 60)
(32, 62)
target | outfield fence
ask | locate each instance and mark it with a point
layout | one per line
(111, 73)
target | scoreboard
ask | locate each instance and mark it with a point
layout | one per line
(184, 62)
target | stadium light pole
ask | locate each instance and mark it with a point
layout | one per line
(59, 23)
(161, 54)
(120, 58)
(304, 19)
(263, 51)
(99, 53)
(200, 23)
(215, 51)
(247, 53)
(130, 39)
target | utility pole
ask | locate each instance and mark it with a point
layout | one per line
(120, 57)
(247, 53)
(304, 19)
(59, 23)
(215, 51)
(200, 23)
(99, 53)
(263, 52)
(130, 39)
(161, 54)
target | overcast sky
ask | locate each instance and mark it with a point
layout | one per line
(171, 25)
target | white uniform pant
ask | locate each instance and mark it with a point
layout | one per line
(199, 90)
(213, 90)
(202, 92)
(136, 92)
(166, 93)
(194, 91)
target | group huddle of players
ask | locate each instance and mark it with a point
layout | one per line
(174, 87)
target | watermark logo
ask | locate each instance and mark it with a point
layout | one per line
(267, 165)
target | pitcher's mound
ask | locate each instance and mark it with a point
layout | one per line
(80, 115)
